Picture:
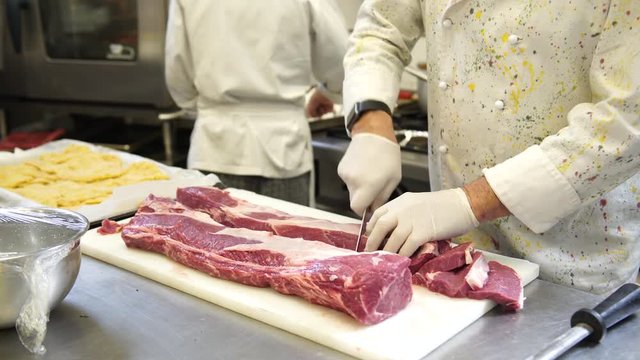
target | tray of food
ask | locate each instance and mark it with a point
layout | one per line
(95, 181)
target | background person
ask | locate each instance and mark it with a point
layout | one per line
(244, 67)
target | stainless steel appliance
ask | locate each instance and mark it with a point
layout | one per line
(104, 51)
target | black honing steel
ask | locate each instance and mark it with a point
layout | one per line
(592, 324)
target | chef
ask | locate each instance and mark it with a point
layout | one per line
(244, 67)
(534, 124)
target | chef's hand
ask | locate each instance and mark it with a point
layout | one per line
(318, 105)
(371, 168)
(416, 218)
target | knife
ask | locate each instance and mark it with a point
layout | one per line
(363, 226)
(592, 324)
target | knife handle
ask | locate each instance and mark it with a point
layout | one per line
(623, 302)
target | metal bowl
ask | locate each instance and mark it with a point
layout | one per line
(27, 234)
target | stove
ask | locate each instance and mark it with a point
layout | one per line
(330, 144)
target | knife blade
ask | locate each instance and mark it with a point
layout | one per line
(592, 324)
(363, 227)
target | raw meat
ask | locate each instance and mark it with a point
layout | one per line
(455, 283)
(370, 287)
(238, 213)
(109, 227)
(427, 252)
(461, 272)
(504, 286)
(451, 259)
(440, 266)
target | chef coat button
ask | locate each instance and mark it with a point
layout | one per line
(443, 149)
(513, 39)
(499, 104)
(447, 23)
(443, 85)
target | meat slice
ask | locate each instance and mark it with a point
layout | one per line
(238, 213)
(504, 286)
(109, 226)
(451, 259)
(427, 252)
(370, 287)
(451, 274)
(455, 283)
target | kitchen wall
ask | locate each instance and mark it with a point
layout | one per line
(350, 8)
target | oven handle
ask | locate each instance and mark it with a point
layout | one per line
(14, 18)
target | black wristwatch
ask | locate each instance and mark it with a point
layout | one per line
(362, 107)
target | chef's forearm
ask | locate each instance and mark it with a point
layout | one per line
(486, 206)
(375, 122)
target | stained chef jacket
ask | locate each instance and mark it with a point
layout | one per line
(540, 97)
(244, 67)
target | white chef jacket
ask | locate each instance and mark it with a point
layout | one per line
(543, 98)
(245, 66)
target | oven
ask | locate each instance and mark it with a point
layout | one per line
(88, 51)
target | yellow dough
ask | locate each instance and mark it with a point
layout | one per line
(12, 176)
(78, 163)
(74, 177)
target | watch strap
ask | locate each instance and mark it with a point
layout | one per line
(362, 107)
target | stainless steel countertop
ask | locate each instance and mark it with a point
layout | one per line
(113, 314)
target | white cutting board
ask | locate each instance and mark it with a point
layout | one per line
(428, 321)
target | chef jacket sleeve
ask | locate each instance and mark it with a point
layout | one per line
(179, 70)
(598, 150)
(328, 46)
(379, 49)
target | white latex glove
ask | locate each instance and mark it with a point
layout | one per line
(371, 168)
(416, 218)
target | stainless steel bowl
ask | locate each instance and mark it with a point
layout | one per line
(30, 233)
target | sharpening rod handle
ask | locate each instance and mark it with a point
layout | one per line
(623, 302)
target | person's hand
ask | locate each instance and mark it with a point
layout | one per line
(371, 168)
(416, 218)
(318, 105)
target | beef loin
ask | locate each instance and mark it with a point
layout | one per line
(370, 287)
(440, 266)
(238, 213)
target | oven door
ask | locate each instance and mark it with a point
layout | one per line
(105, 51)
(12, 79)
